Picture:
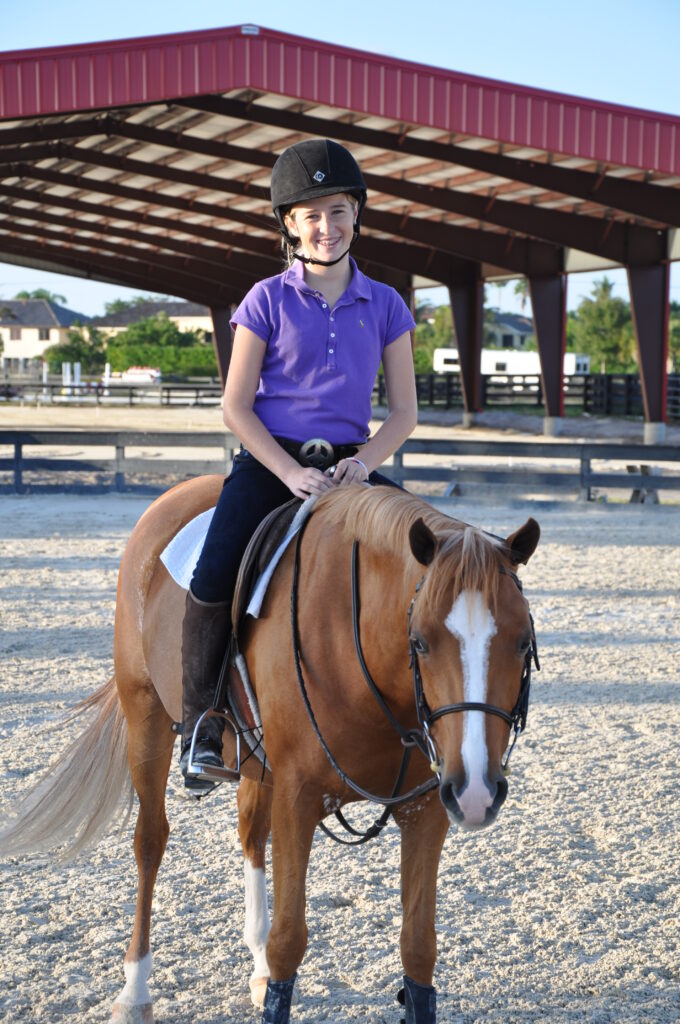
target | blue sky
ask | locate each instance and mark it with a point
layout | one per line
(623, 51)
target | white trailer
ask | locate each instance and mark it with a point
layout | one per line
(508, 361)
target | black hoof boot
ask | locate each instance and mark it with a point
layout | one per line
(277, 1001)
(420, 1002)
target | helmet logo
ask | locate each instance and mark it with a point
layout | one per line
(319, 176)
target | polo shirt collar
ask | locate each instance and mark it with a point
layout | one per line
(359, 287)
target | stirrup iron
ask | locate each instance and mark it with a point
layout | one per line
(212, 771)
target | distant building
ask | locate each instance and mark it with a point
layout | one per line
(188, 316)
(28, 327)
(508, 330)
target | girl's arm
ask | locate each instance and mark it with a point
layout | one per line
(402, 413)
(239, 397)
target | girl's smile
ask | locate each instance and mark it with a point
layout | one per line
(325, 226)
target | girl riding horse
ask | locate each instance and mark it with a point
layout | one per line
(306, 351)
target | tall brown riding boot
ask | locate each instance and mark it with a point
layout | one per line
(204, 638)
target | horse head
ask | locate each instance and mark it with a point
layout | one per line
(471, 639)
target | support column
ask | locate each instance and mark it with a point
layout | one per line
(409, 297)
(649, 302)
(549, 307)
(222, 339)
(467, 308)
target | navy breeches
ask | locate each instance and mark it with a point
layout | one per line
(249, 494)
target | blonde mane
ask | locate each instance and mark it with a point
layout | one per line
(381, 517)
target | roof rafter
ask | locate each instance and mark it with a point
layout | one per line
(639, 198)
(126, 272)
(518, 255)
(606, 238)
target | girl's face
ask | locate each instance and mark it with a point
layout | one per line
(324, 226)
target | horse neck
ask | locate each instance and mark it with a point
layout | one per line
(387, 584)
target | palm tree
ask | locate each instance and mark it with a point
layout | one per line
(522, 289)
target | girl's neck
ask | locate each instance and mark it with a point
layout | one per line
(332, 282)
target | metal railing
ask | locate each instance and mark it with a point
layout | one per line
(525, 466)
(595, 393)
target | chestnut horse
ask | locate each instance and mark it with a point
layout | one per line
(437, 607)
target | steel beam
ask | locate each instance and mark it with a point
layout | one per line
(193, 266)
(224, 256)
(132, 273)
(268, 247)
(517, 255)
(649, 300)
(615, 240)
(222, 339)
(467, 306)
(549, 305)
(654, 202)
(398, 255)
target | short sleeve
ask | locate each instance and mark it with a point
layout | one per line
(254, 312)
(398, 320)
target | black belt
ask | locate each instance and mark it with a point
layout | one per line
(317, 451)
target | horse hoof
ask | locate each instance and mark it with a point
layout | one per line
(258, 990)
(122, 1014)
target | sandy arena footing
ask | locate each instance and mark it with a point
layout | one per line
(565, 911)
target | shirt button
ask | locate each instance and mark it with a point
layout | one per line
(324, 305)
(330, 351)
(332, 318)
(332, 335)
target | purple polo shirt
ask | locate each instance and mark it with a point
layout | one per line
(320, 364)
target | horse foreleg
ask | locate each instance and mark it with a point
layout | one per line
(254, 824)
(150, 743)
(423, 830)
(295, 814)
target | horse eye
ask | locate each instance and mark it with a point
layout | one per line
(524, 644)
(419, 645)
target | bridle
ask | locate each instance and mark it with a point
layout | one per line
(410, 738)
(516, 719)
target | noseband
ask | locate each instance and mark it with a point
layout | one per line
(410, 738)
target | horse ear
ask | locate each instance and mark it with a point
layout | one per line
(423, 542)
(522, 544)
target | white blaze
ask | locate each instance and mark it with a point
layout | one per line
(257, 926)
(473, 625)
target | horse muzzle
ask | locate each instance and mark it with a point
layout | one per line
(472, 805)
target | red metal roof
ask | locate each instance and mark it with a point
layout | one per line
(159, 68)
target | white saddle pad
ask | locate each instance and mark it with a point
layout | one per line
(182, 553)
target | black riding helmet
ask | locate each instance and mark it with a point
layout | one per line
(310, 170)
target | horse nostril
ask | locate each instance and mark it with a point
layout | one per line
(501, 793)
(447, 795)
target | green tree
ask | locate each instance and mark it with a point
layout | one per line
(87, 348)
(42, 293)
(157, 341)
(522, 289)
(429, 336)
(120, 305)
(674, 337)
(602, 328)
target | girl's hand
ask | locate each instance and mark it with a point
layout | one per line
(304, 481)
(350, 471)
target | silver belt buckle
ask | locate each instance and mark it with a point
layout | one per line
(317, 452)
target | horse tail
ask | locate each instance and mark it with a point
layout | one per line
(75, 801)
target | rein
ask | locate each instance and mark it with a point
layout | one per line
(410, 738)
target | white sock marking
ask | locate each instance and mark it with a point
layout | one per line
(473, 625)
(257, 918)
(136, 991)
